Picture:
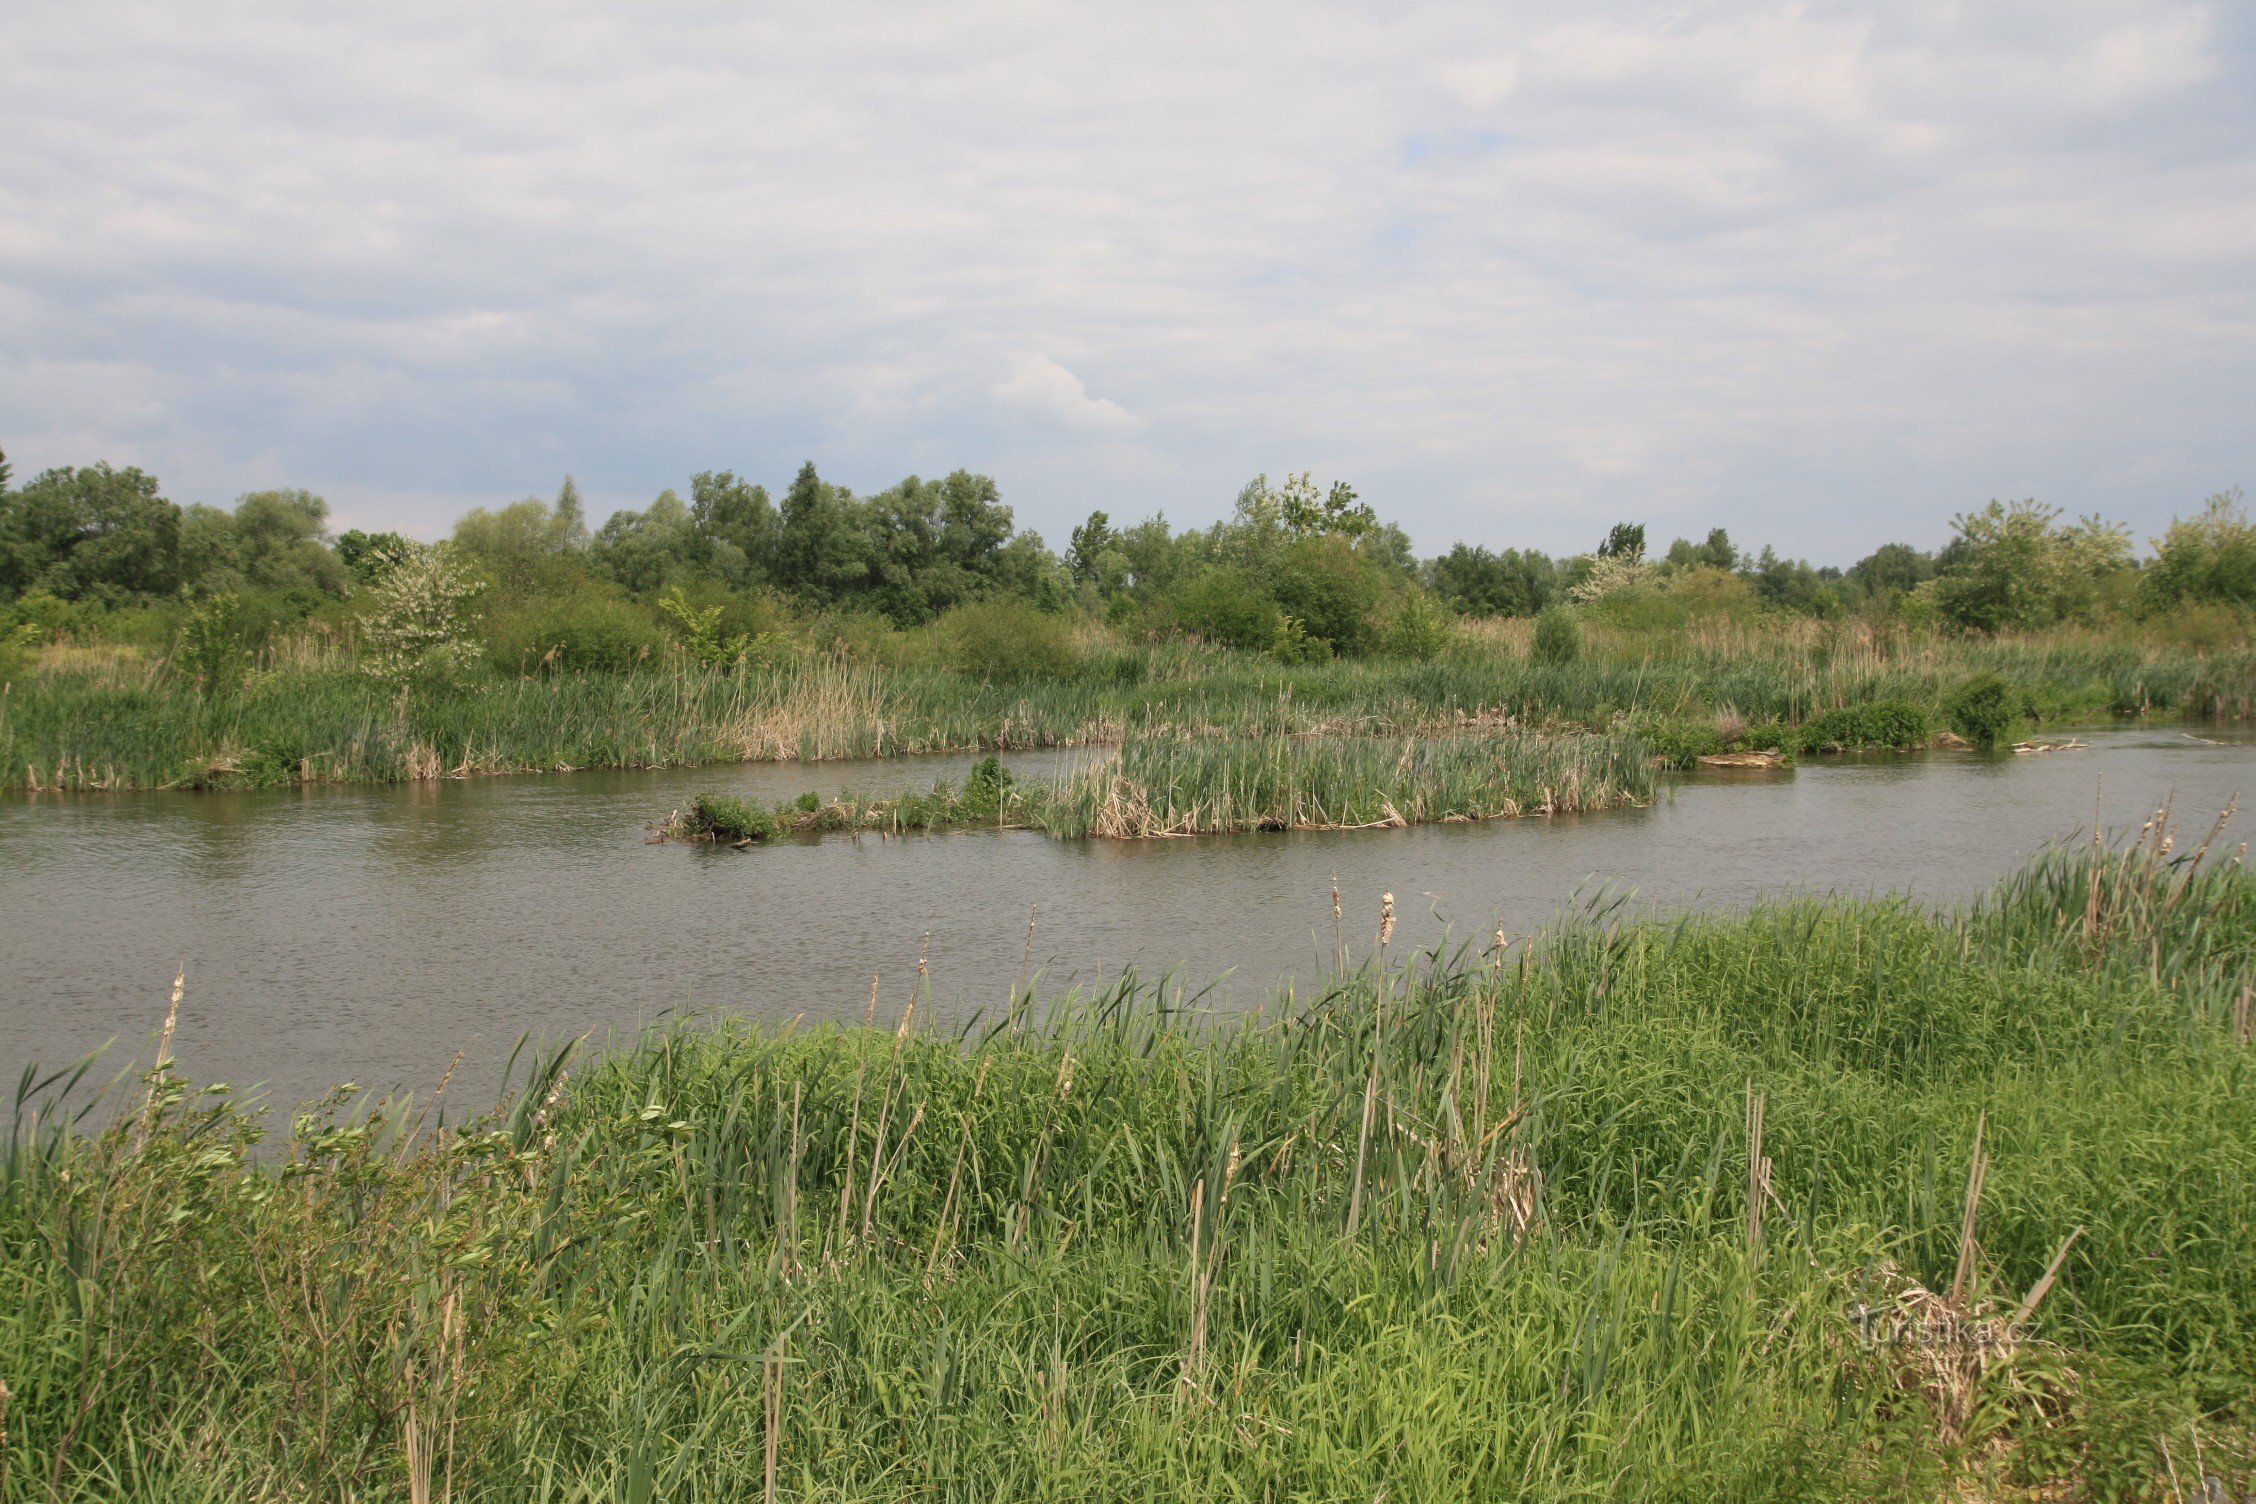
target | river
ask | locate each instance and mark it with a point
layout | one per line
(369, 934)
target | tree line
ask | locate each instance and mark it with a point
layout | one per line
(1296, 570)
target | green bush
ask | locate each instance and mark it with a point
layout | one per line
(1228, 607)
(584, 631)
(1676, 740)
(1332, 591)
(1984, 710)
(1004, 638)
(210, 646)
(721, 819)
(1421, 629)
(1558, 636)
(1882, 723)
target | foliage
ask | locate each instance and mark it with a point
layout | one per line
(1004, 639)
(1984, 710)
(1626, 540)
(415, 628)
(1480, 583)
(211, 642)
(2208, 559)
(1558, 637)
(1227, 606)
(2016, 567)
(583, 629)
(1420, 629)
(699, 631)
(1896, 724)
(368, 556)
(1610, 575)
(93, 533)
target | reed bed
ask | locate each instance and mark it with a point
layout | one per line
(120, 721)
(1158, 787)
(1839, 1199)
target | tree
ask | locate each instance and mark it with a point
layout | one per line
(736, 527)
(1717, 552)
(1625, 541)
(571, 514)
(92, 534)
(1892, 569)
(2211, 557)
(1090, 542)
(368, 556)
(2015, 566)
(416, 631)
(1478, 582)
(280, 544)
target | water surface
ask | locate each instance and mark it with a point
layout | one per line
(367, 934)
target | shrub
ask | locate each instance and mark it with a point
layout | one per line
(720, 819)
(584, 631)
(1226, 606)
(1984, 710)
(415, 629)
(1882, 723)
(1676, 741)
(985, 786)
(1420, 630)
(1332, 591)
(210, 646)
(1004, 638)
(1558, 636)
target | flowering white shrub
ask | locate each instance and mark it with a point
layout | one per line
(415, 632)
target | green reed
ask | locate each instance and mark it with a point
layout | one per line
(1158, 786)
(1603, 1214)
(120, 722)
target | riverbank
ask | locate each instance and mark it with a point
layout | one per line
(1645, 1210)
(1158, 787)
(90, 721)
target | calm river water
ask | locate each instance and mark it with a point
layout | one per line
(367, 934)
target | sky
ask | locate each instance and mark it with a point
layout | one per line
(1822, 274)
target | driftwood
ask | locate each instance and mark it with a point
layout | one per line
(1743, 760)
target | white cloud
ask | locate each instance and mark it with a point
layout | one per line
(1823, 275)
(1040, 385)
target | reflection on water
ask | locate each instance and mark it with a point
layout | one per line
(367, 934)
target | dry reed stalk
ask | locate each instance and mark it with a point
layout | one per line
(1758, 1171)
(1371, 1083)
(164, 1058)
(1962, 1281)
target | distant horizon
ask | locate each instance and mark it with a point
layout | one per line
(1825, 278)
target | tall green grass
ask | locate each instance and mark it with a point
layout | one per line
(115, 722)
(1602, 1215)
(1158, 786)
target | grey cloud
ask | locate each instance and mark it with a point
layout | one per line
(1824, 275)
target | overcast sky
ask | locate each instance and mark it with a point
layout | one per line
(1822, 274)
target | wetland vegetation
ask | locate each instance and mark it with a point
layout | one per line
(1163, 786)
(145, 645)
(1835, 1199)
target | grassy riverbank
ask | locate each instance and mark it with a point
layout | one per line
(1162, 787)
(1668, 1210)
(85, 720)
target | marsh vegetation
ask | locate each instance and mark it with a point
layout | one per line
(1836, 1199)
